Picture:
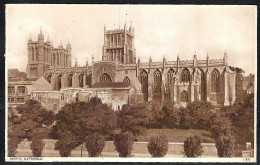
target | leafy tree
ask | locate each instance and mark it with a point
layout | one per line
(200, 113)
(66, 144)
(156, 117)
(13, 142)
(37, 147)
(192, 146)
(134, 118)
(224, 145)
(158, 146)
(123, 143)
(84, 118)
(185, 118)
(95, 144)
(171, 118)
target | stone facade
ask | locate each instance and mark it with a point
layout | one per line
(181, 81)
(42, 55)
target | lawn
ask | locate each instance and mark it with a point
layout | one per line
(176, 135)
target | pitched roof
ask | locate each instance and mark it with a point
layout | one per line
(111, 85)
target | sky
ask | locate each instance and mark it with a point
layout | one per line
(160, 30)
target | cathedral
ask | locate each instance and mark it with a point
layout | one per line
(120, 78)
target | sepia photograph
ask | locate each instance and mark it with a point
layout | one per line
(130, 83)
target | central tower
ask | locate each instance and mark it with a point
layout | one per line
(119, 45)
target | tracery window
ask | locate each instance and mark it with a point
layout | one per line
(170, 76)
(185, 75)
(157, 81)
(70, 80)
(144, 83)
(126, 80)
(215, 81)
(105, 78)
(81, 80)
(184, 96)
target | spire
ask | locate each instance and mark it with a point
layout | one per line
(125, 26)
(40, 35)
(87, 62)
(130, 28)
(178, 58)
(40, 30)
(92, 59)
(48, 40)
(76, 63)
(225, 58)
(68, 46)
(150, 59)
(30, 38)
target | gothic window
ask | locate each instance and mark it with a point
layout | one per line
(88, 80)
(126, 80)
(157, 81)
(32, 54)
(203, 86)
(170, 76)
(59, 82)
(215, 81)
(49, 78)
(105, 78)
(81, 80)
(185, 75)
(184, 96)
(36, 54)
(144, 83)
(70, 80)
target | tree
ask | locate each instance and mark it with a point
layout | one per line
(185, 119)
(95, 144)
(158, 146)
(66, 144)
(221, 125)
(192, 146)
(84, 118)
(123, 143)
(171, 117)
(30, 116)
(224, 145)
(200, 113)
(37, 147)
(134, 118)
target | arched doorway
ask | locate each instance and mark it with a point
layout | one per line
(105, 78)
(144, 83)
(184, 96)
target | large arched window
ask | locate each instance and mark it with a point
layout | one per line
(70, 80)
(185, 75)
(157, 81)
(184, 96)
(59, 82)
(215, 81)
(144, 83)
(81, 80)
(105, 78)
(170, 76)
(126, 80)
(88, 80)
(202, 85)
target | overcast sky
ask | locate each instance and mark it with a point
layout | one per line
(159, 30)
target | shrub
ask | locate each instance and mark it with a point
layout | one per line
(95, 144)
(192, 146)
(224, 145)
(13, 143)
(124, 144)
(37, 147)
(66, 144)
(158, 146)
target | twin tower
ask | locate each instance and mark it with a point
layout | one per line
(118, 47)
(42, 55)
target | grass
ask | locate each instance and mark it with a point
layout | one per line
(176, 135)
